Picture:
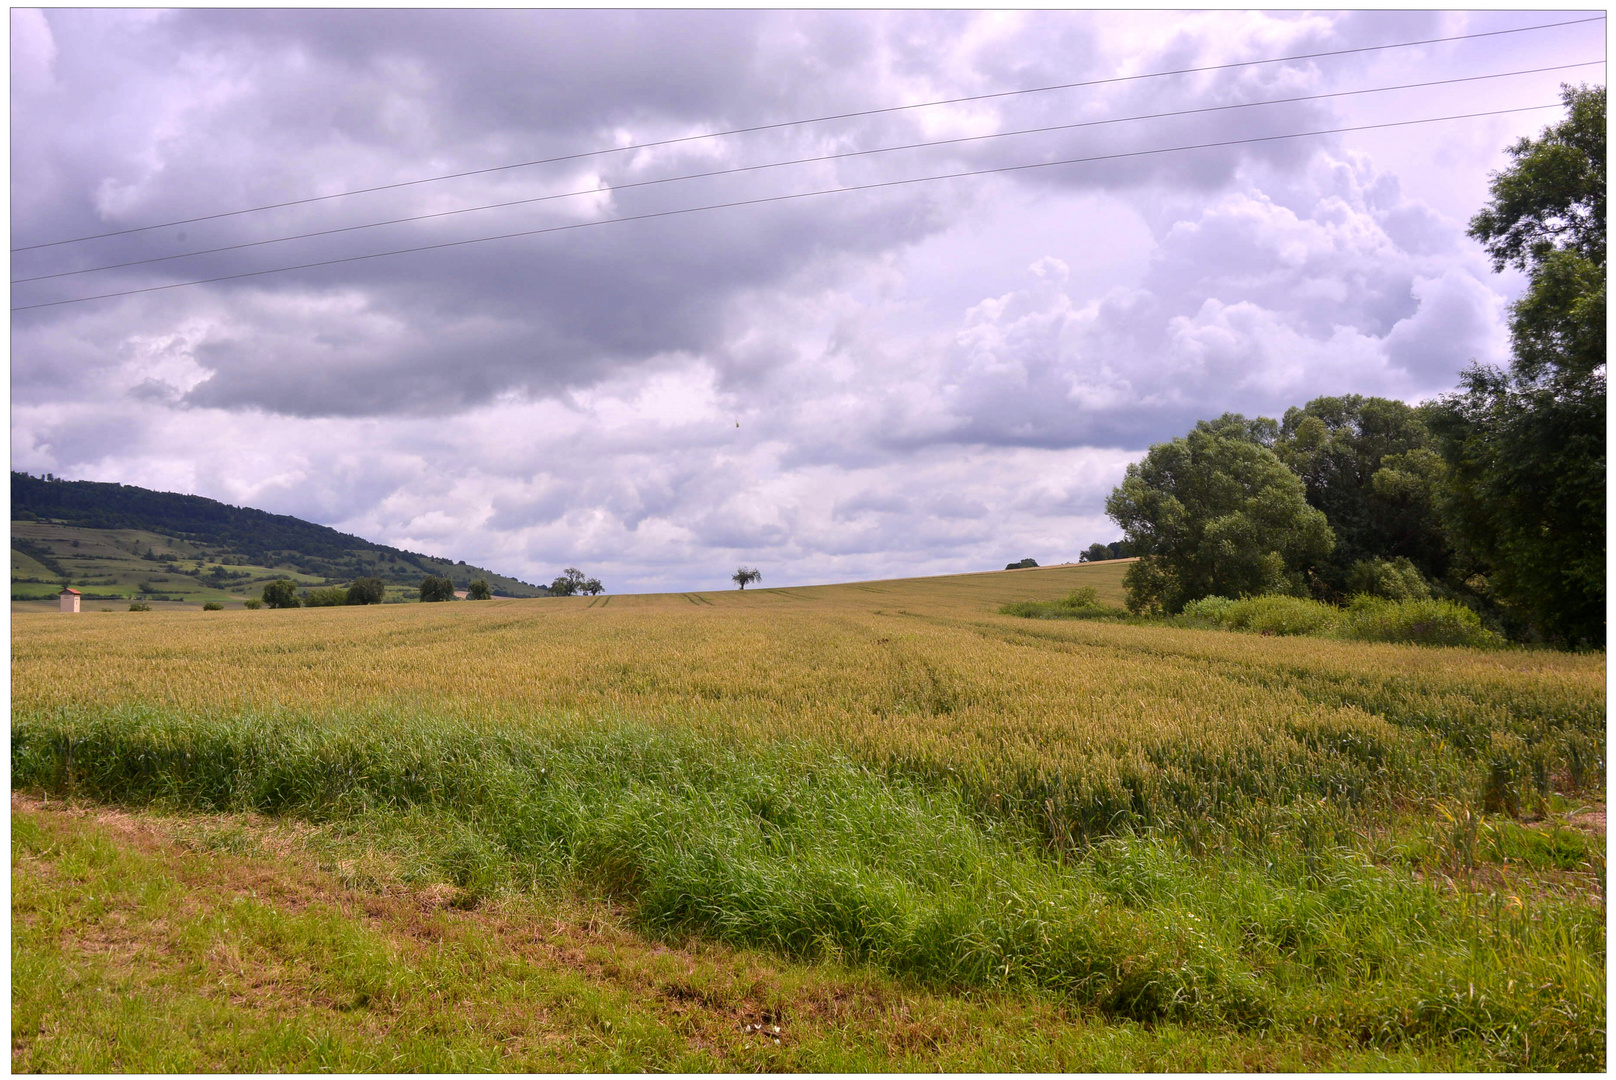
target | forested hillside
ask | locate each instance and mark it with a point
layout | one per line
(226, 535)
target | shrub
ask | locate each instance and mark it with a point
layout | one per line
(281, 594)
(367, 590)
(1081, 604)
(1024, 564)
(1394, 579)
(139, 605)
(479, 590)
(1264, 614)
(213, 605)
(336, 596)
(434, 589)
(252, 605)
(1420, 622)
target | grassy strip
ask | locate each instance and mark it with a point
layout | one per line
(1366, 618)
(149, 944)
(804, 852)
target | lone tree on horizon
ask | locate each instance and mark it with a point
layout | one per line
(745, 576)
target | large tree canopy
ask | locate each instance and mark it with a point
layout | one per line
(1526, 449)
(1370, 465)
(1216, 513)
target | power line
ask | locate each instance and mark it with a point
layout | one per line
(783, 198)
(796, 161)
(812, 120)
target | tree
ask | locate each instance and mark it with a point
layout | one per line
(745, 576)
(1117, 549)
(1371, 466)
(1024, 564)
(281, 593)
(1216, 514)
(572, 582)
(1525, 449)
(478, 590)
(367, 590)
(435, 589)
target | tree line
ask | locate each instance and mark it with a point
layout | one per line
(1492, 495)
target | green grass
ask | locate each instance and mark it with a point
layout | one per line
(795, 849)
(232, 944)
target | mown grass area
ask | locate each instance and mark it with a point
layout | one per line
(1368, 848)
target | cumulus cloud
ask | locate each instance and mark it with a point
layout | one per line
(916, 377)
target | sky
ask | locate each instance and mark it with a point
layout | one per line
(918, 376)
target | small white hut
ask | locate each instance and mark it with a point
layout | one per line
(70, 600)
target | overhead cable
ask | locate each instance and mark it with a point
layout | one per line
(783, 198)
(812, 120)
(783, 164)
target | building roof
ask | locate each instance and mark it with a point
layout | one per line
(75, 592)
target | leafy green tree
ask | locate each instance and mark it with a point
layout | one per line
(1024, 564)
(281, 593)
(745, 576)
(367, 590)
(1216, 514)
(1117, 549)
(1525, 449)
(1371, 466)
(436, 589)
(479, 590)
(572, 582)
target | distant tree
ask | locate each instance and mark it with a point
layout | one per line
(367, 590)
(478, 590)
(281, 593)
(251, 604)
(745, 576)
(1024, 564)
(213, 605)
(1216, 513)
(572, 582)
(1117, 549)
(436, 589)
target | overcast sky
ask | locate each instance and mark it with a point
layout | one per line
(911, 379)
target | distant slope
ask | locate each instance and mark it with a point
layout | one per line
(217, 533)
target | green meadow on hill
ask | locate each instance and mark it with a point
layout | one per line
(870, 826)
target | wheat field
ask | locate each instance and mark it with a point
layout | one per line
(894, 773)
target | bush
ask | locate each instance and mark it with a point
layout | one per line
(281, 594)
(336, 596)
(1419, 622)
(434, 589)
(252, 605)
(139, 605)
(1081, 604)
(1271, 614)
(1024, 564)
(479, 590)
(213, 605)
(1394, 579)
(367, 590)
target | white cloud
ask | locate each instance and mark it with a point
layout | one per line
(929, 377)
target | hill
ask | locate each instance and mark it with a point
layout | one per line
(119, 541)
